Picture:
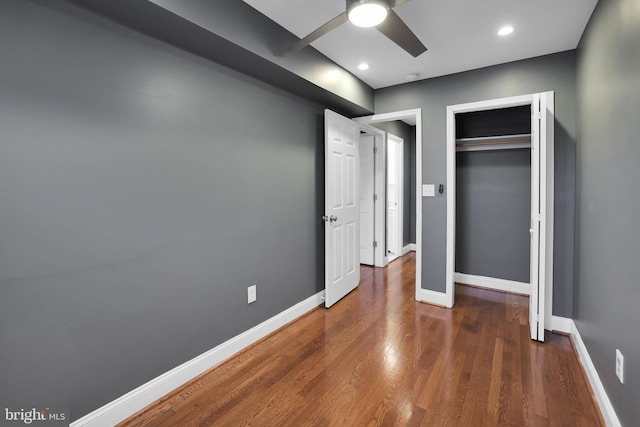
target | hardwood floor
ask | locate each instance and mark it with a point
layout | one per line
(379, 358)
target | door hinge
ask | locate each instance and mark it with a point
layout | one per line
(375, 244)
(537, 217)
(375, 150)
(375, 197)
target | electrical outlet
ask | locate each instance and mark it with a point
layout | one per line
(251, 294)
(620, 366)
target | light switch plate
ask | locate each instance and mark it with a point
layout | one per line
(428, 190)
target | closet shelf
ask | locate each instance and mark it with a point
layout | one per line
(500, 142)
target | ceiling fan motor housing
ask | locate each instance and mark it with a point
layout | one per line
(367, 13)
(384, 3)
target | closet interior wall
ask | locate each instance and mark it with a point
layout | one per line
(493, 194)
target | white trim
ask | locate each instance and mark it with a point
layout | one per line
(560, 324)
(609, 414)
(136, 400)
(411, 247)
(450, 251)
(493, 283)
(415, 114)
(432, 297)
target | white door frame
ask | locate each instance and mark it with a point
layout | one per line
(547, 182)
(400, 190)
(414, 115)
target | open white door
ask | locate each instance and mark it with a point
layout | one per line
(538, 228)
(367, 194)
(342, 212)
(394, 196)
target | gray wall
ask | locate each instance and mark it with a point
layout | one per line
(142, 190)
(408, 134)
(493, 211)
(608, 200)
(552, 72)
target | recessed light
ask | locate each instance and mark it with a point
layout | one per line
(412, 77)
(505, 31)
(363, 66)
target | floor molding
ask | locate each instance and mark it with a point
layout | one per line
(493, 283)
(136, 400)
(561, 324)
(411, 247)
(609, 414)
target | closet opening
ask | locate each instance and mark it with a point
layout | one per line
(500, 200)
(493, 199)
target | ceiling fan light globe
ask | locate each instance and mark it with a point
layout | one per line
(367, 13)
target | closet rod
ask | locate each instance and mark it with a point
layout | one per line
(500, 142)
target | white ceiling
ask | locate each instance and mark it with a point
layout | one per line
(461, 35)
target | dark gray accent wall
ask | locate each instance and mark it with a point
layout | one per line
(143, 189)
(234, 34)
(408, 134)
(493, 211)
(608, 200)
(552, 72)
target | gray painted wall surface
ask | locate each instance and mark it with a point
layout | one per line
(552, 72)
(232, 33)
(608, 200)
(142, 190)
(408, 134)
(493, 211)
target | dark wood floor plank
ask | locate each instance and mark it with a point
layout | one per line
(379, 358)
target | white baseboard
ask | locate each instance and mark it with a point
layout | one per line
(609, 414)
(136, 400)
(411, 247)
(493, 283)
(432, 297)
(560, 324)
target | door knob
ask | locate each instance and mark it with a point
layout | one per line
(333, 218)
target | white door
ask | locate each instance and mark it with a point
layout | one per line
(342, 264)
(394, 197)
(367, 160)
(538, 219)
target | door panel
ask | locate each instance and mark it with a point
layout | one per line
(538, 220)
(367, 162)
(394, 197)
(342, 211)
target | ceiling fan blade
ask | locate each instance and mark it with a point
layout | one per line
(321, 31)
(394, 28)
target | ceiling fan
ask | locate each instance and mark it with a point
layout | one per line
(371, 13)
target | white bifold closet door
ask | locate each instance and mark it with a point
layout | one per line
(541, 210)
